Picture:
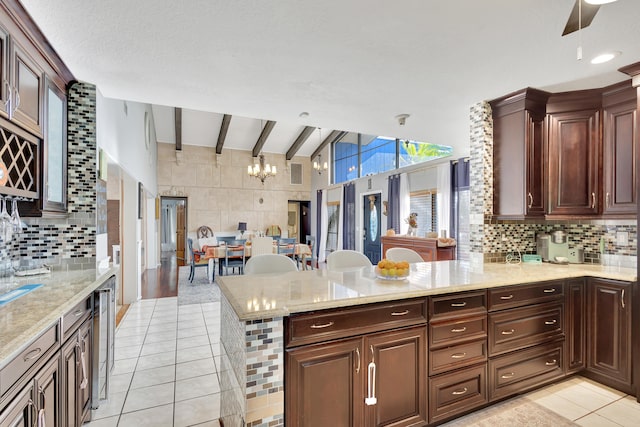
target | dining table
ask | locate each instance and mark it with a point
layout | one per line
(212, 253)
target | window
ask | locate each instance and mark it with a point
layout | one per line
(424, 203)
(333, 215)
(357, 155)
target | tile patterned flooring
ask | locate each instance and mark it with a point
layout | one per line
(167, 357)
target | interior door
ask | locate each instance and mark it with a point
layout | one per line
(372, 227)
(181, 232)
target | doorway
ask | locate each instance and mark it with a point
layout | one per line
(173, 229)
(371, 246)
(299, 220)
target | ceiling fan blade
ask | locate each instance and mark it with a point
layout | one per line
(588, 12)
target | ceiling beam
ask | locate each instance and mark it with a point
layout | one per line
(304, 135)
(333, 137)
(178, 127)
(266, 130)
(224, 127)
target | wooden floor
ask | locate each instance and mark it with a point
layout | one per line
(161, 282)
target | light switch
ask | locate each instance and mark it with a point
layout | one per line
(622, 238)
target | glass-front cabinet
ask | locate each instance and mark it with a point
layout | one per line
(54, 164)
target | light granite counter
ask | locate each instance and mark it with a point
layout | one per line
(24, 318)
(253, 310)
(275, 295)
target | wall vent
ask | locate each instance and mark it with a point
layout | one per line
(296, 173)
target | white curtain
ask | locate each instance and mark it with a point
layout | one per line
(324, 224)
(169, 228)
(340, 220)
(405, 202)
(444, 198)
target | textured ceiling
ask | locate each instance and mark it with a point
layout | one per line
(351, 64)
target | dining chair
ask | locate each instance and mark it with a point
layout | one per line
(197, 260)
(269, 263)
(204, 231)
(403, 254)
(346, 258)
(287, 246)
(311, 260)
(274, 231)
(234, 256)
(261, 245)
(225, 239)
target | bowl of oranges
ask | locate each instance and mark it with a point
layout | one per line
(392, 270)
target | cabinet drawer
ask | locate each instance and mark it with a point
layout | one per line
(515, 296)
(457, 356)
(455, 331)
(29, 357)
(453, 305)
(457, 392)
(523, 327)
(331, 324)
(523, 370)
(74, 317)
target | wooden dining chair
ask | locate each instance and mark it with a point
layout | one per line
(204, 231)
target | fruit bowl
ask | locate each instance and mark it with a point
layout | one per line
(390, 270)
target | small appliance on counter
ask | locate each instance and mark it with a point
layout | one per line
(554, 247)
(576, 256)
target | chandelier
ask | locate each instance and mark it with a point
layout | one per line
(319, 166)
(261, 170)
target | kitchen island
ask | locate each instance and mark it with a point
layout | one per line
(255, 309)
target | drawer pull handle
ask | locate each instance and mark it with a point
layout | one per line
(508, 375)
(506, 297)
(553, 362)
(458, 355)
(358, 354)
(400, 313)
(464, 328)
(551, 322)
(32, 354)
(458, 304)
(325, 325)
(459, 392)
(549, 291)
(509, 332)
(78, 313)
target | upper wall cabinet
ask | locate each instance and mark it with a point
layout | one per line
(26, 90)
(619, 150)
(54, 159)
(518, 154)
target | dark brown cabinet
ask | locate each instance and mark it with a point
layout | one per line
(609, 332)
(574, 162)
(619, 150)
(26, 90)
(76, 388)
(576, 325)
(518, 154)
(427, 248)
(21, 411)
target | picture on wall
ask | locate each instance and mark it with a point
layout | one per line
(140, 200)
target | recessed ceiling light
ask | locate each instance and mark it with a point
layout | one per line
(303, 114)
(599, 1)
(604, 57)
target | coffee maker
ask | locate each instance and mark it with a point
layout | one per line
(554, 247)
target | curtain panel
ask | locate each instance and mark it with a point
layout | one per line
(459, 182)
(393, 203)
(349, 216)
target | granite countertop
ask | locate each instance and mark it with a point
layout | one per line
(24, 318)
(275, 295)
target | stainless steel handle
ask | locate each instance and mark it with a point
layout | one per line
(551, 362)
(7, 103)
(509, 332)
(506, 297)
(33, 354)
(549, 291)
(551, 322)
(41, 413)
(464, 328)
(458, 355)
(371, 382)
(325, 325)
(358, 355)
(458, 304)
(608, 199)
(400, 313)
(78, 313)
(459, 392)
(508, 375)
(622, 299)
(83, 364)
(593, 200)
(17, 100)
(32, 408)
(530, 200)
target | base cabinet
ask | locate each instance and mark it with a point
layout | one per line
(375, 380)
(21, 412)
(576, 325)
(609, 332)
(76, 388)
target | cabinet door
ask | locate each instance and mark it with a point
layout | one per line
(4, 71)
(27, 89)
(535, 203)
(619, 159)
(83, 383)
(324, 384)
(399, 378)
(69, 391)
(21, 411)
(573, 163)
(54, 171)
(48, 394)
(576, 312)
(610, 330)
